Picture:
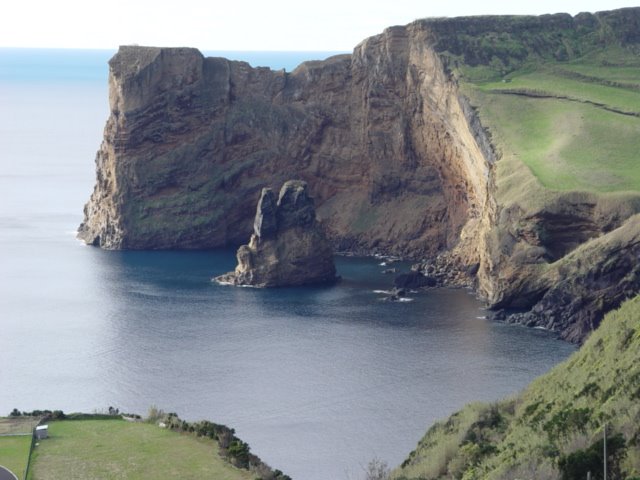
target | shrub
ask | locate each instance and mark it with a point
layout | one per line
(377, 470)
(238, 452)
(567, 421)
(155, 414)
(576, 465)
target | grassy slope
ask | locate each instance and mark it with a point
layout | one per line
(561, 412)
(14, 452)
(115, 449)
(567, 144)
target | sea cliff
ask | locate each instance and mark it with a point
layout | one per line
(380, 136)
(392, 147)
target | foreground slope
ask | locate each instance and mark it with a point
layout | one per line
(549, 428)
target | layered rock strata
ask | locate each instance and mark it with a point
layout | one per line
(287, 247)
(395, 155)
(381, 137)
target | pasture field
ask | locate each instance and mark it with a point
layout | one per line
(574, 125)
(14, 453)
(117, 449)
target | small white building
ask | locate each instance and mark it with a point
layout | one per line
(42, 431)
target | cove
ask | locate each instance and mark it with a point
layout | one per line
(318, 380)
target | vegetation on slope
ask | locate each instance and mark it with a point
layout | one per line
(559, 94)
(554, 429)
(572, 133)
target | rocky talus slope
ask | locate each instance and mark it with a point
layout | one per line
(394, 153)
(287, 247)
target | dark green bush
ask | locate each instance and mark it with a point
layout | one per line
(576, 465)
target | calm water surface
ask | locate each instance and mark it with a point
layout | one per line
(317, 380)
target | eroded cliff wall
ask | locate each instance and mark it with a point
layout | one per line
(380, 136)
(393, 154)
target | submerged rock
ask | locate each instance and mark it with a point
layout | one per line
(413, 279)
(287, 247)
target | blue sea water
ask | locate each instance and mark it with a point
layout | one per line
(317, 380)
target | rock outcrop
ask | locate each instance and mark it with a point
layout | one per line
(381, 137)
(572, 293)
(288, 247)
(395, 155)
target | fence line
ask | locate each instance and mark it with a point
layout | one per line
(33, 444)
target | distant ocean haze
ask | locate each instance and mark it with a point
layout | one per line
(317, 380)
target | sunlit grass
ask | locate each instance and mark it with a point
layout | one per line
(567, 145)
(14, 453)
(551, 82)
(115, 449)
(574, 143)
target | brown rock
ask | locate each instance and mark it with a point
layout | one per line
(294, 251)
(397, 159)
(380, 136)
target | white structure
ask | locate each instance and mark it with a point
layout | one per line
(41, 432)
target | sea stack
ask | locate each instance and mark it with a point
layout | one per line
(287, 247)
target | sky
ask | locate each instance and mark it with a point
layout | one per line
(326, 25)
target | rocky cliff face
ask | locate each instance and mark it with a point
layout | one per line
(191, 141)
(396, 158)
(288, 247)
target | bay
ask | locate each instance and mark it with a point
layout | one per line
(318, 380)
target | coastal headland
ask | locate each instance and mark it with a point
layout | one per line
(466, 144)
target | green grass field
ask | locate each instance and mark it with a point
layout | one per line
(568, 144)
(14, 453)
(116, 449)
(554, 81)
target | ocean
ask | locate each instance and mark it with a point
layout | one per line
(318, 380)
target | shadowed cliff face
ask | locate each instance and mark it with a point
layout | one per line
(380, 136)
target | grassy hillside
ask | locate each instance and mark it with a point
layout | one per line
(574, 125)
(560, 95)
(554, 428)
(116, 449)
